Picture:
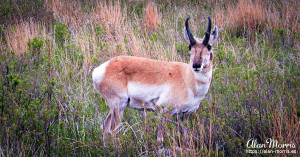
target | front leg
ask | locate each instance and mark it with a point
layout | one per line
(160, 133)
(161, 129)
(183, 129)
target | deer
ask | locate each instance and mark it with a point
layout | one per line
(142, 83)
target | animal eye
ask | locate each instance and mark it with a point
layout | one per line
(209, 47)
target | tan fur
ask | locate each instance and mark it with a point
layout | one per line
(124, 69)
(200, 50)
(185, 84)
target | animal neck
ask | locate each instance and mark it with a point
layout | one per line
(204, 77)
(202, 80)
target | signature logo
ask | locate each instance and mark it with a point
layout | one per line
(269, 143)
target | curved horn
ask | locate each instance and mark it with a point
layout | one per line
(207, 33)
(190, 35)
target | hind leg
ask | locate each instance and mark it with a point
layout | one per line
(113, 120)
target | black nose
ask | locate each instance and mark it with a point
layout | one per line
(196, 65)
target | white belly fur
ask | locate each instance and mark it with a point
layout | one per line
(157, 95)
(147, 94)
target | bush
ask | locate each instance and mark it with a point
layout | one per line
(28, 107)
(61, 33)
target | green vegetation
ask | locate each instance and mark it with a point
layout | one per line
(48, 49)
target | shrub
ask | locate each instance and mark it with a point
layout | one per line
(61, 33)
(28, 108)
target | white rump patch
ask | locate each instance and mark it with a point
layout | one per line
(98, 75)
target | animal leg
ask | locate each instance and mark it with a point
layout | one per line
(183, 129)
(107, 126)
(160, 133)
(113, 120)
(161, 129)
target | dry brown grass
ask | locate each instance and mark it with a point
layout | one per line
(152, 17)
(137, 49)
(68, 12)
(116, 25)
(257, 15)
(244, 14)
(19, 34)
(109, 15)
(112, 18)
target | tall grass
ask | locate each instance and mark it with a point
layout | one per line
(18, 35)
(152, 18)
(48, 105)
(269, 17)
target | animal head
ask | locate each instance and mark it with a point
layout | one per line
(200, 49)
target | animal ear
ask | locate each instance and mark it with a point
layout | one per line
(214, 35)
(211, 56)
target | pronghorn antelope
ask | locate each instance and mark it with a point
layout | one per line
(145, 83)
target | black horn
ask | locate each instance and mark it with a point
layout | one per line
(190, 35)
(207, 33)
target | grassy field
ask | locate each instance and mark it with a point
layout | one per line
(49, 48)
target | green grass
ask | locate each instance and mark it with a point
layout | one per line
(48, 105)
